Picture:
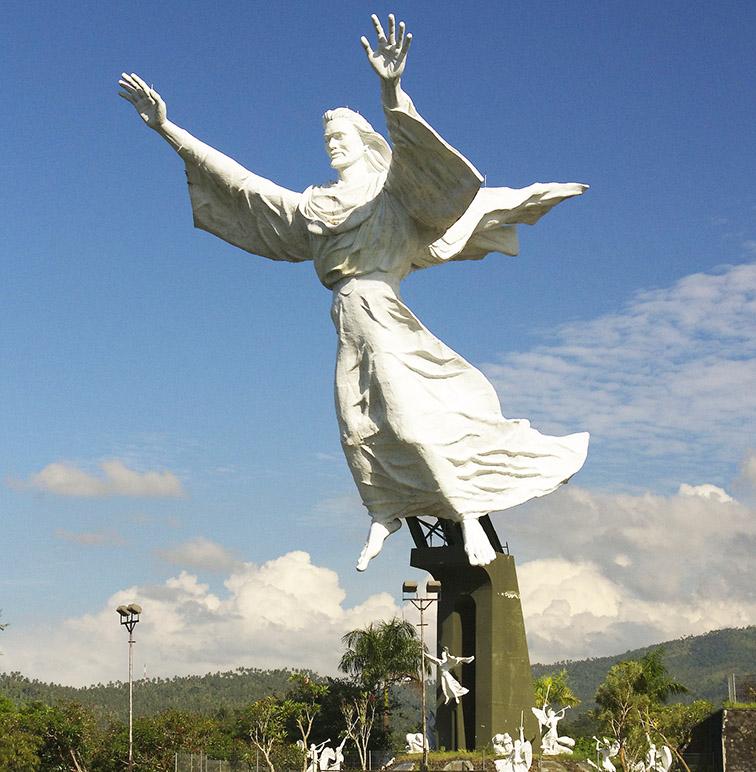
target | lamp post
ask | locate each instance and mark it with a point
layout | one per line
(129, 618)
(421, 603)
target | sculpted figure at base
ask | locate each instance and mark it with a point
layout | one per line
(313, 756)
(421, 428)
(514, 755)
(551, 743)
(331, 759)
(606, 750)
(415, 742)
(451, 688)
(656, 759)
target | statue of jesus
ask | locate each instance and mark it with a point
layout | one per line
(421, 428)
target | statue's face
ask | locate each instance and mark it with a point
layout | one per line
(343, 143)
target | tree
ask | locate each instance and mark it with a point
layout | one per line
(554, 688)
(303, 704)
(265, 721)
(67, 734)
(382, 654)
(655, 680)
(18, 747)
(632, 692)
(621, 706)
(673, 724)
(359, 715)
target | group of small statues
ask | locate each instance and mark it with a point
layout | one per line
(513, 755)
(323, 758)
(656, 759)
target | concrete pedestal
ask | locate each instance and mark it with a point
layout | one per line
(479, 612)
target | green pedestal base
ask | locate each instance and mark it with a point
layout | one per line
(479, 612)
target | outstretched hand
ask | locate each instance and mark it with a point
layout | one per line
(147, 102)
(390, 54)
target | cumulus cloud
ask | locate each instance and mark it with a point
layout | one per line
(706, 491)
(671, 376)
(287, 612)
(116, 479)
(201, 554)
(91, 538)
(748, 468)
(601, 573)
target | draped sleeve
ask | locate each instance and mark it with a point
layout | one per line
(488, 224)
(434, 183)
(242, 208)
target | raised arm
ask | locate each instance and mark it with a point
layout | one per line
(228, 200)
(389, 58)
(434, 183)
(153, 111)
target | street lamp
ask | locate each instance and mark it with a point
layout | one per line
(129, 618)
(421, 603)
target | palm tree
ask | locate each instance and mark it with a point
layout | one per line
(382, 654)
(655, 679)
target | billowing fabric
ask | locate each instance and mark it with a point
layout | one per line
(421, 428)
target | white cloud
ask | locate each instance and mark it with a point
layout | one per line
(602, 573)
(284, 613)
(748, 468)
(706, 491)
(200, 554)
(91, 538)
(672, 376)
(64, 479)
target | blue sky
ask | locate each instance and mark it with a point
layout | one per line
(202, 376)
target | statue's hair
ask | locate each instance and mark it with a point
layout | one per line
(378, 150)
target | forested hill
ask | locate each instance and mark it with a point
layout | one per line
(202, 694)
(701, 662)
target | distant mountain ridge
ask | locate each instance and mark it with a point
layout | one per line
(700, 662)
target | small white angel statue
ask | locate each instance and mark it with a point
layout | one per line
(656, 760)
(450, 686)
(606, 750)
(551, 743)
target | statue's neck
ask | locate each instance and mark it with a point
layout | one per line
(357, 172)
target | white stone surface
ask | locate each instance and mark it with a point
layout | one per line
(421, 428)
(451, 688)
(415, 742)
(514, 755)
(331, 759)
(606, 750)
(551, 743)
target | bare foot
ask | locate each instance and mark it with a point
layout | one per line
(478, 548)
(376, 536)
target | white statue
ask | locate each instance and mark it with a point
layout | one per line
(551, 743)
(421, 428)
(415, 742)
(313, 756)
(502, 744)
(656, 760)
(449, 684)
(515, 755)
(606, 750)
(331, 759)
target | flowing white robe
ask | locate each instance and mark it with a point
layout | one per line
(421, 428)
